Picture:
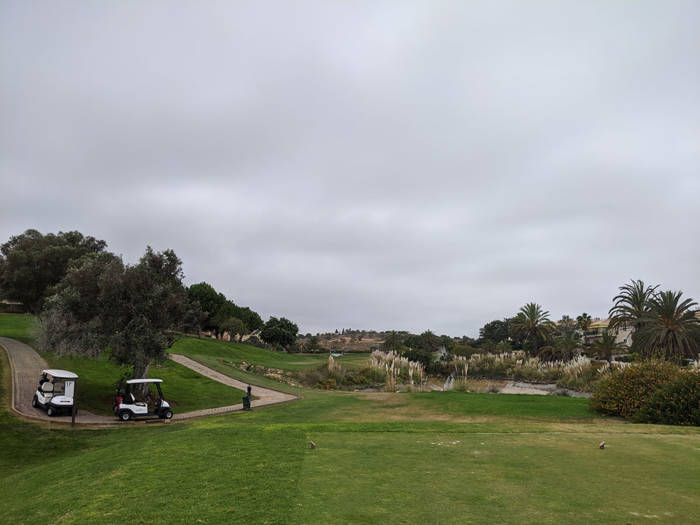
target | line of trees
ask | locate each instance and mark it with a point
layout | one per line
(88, 300)
(665, 326)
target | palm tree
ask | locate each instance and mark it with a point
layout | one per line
(631, 305)
(606, 346)
(583, 322)
(534, 324)
(669, 329)
(567, 345)
(566, 325)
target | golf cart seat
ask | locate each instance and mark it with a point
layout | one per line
(132, 401)
(47, 389)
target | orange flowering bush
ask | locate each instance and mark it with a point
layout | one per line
(627, 390)
(677, 403)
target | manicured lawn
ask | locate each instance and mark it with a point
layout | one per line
(255, 468)
(513, 405)
(18, 326)
(380, 458)
(184, 389)
(238, 353)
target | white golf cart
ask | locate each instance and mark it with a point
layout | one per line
(55, 392)
(126, 406)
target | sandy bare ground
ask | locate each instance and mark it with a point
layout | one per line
(26, 363)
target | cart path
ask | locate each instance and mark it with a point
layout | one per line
(25, 364)
(265, 396)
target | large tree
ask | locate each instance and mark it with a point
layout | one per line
(280, 332)
(219, 309)
(631, 306)
(131, 309)
(32, 263)
(208, 298)
(534, 325)
(669, 329)
(566, 325)
(234, 327)
(584, 321)
(393, 341)
(495, 331)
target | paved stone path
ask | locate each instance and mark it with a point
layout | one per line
(26, 363)
(265, 396)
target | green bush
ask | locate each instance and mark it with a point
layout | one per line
(627, 390)
(677, 403)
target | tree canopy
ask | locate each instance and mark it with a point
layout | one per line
(234, 327)
(31, 263)
(534, 325)
(669, 330)
(495, 331)
(219, 310)
(132, 309)
(280, 332)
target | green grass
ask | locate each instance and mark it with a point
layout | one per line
(380, 458)
(184, 389)
(515, 405)
(258, 468)
(18, 326)
(238, 353)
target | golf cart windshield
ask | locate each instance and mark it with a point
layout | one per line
(59, 387)
(147, 391)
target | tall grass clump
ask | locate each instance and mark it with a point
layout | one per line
(460, 365)
(580, 373)
(398, 369)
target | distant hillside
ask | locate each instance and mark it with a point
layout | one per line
(351, 340)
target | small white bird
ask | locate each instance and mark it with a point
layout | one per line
(313, 445)
(602, 445)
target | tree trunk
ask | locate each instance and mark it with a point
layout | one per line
(141, 372)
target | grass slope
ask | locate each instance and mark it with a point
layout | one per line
(238, 353)
(18, 326)
(184, 389)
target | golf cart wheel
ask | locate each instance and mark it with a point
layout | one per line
(125, 415)
(35, 402)
(168, 414)
(51, 411)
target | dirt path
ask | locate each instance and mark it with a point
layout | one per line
(265, 396)
(26, 363)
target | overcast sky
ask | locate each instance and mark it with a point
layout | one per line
(387, 165)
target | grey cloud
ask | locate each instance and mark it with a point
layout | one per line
(382, 165)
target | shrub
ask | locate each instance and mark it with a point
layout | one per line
(677, 403)
(625, 391)
(550, 353)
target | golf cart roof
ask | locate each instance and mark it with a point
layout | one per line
(60, 374)
(138, 381)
